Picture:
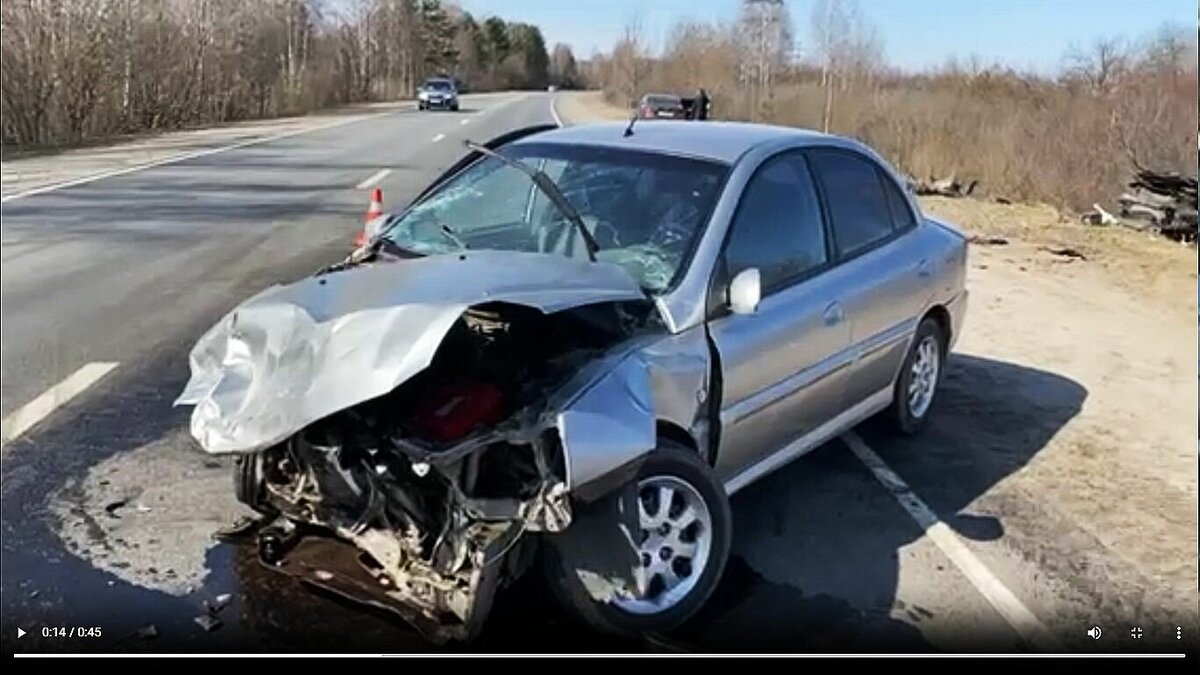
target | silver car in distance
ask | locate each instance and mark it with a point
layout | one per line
(565, 354)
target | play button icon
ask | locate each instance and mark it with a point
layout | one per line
(20, 632)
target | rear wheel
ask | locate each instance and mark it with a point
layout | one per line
(920, 375)
(684, 538)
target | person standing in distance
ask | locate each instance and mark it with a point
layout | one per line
(702, 103)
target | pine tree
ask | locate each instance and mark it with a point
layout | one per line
(437, 37)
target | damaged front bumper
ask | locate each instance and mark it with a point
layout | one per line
(315, 386)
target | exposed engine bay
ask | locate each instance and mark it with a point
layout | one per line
(435, 483)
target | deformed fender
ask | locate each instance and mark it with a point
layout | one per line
(610, 424)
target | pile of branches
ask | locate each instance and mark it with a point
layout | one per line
(1163, 201)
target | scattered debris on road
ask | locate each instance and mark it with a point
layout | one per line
(238, 530)
(218, 603)
(979, 240)
(112, 508)
(208, 622)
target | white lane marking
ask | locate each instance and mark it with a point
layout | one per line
(554, 111)
(191, 155)
(438, 137)
(466, 121)
(374, 178)
(39, 408)
(993, 590)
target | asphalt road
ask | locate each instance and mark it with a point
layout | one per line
(108, 509)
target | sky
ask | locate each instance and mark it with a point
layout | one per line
(1023, 34)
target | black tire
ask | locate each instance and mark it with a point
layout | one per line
(454, 108)
(249, 483)
(899, 414)
(420, 106)
(674, 460)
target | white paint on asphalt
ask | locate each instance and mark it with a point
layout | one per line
(438, 137)
(374, 178)
(39, 408)
(186, 156)
(465, 121)
(554, 111)
(993, 590)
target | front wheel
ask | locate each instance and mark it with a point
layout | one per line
(920, 375)
(683, 542)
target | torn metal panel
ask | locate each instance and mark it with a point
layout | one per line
(600, 547)
(295, 354)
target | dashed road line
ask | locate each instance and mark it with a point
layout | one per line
(993, 590)
(373, 179)
(39, 408)
(438, 137)
(186, 156)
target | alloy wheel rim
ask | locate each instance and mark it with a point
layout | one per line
(923, 376)
(674, 544)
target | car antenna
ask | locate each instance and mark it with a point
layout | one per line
(629, 129)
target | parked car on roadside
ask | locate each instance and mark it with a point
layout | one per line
(437, 94)
(661, 106)
(566, 354)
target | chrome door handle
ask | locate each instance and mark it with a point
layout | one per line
(833, 314)
(924, 269)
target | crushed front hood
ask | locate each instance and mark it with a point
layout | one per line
(295, 354)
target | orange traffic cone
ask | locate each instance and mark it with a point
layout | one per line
(374, 210)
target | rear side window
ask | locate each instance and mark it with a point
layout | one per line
(902, 214)
(778, 226)
(856, 201)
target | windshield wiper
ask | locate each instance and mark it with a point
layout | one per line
(550, 189)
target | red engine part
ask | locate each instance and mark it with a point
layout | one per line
(451, 411)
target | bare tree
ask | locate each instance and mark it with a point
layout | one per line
(564, 71)
(764, 40)
(848, 46)
(630, 65)
(1099, 66)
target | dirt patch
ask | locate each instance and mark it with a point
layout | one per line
(148, 516)
(588, 106)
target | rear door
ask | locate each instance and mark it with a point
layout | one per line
(783, 367)
(886, 276)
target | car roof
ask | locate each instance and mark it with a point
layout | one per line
(430, 80)
(723, 142)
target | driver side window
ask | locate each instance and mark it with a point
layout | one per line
(778, 225)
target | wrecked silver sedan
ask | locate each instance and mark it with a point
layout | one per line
(565, 354)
